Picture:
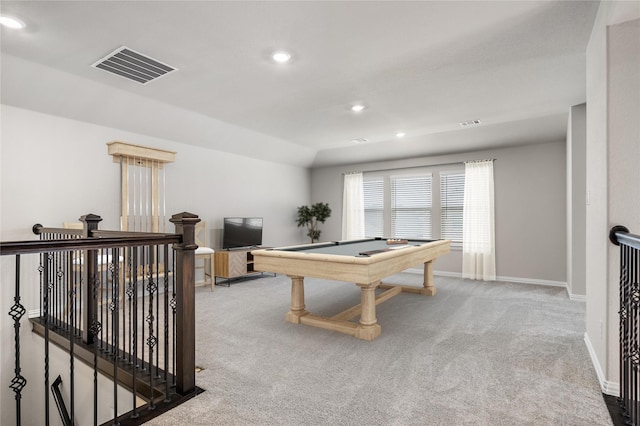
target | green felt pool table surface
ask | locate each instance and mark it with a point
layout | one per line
(354, 247)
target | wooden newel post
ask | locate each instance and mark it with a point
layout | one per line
(185, 302)
(90, 282)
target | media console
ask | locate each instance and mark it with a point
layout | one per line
(234, 263)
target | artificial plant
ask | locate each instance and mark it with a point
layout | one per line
(311, 216)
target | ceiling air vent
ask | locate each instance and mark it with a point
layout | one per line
(360, 140)
(132, 65)
(470, 123)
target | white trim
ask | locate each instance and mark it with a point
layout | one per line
(577, 297)
(33, 313)
(533, 281)
(608, 387)
(441, 273)
(507, 279)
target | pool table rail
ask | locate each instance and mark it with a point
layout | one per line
(357, 269)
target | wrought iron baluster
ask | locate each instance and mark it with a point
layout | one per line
(145, 262)
(71, 308)
(54, 298)
(624, 327)
(166, 322)
(635, 359)
(631, 340)
(95, 329)
(151, 339)
(40, 270)
(16, 312)
(136, 251)
(123, 303)
(47, 321)
(111, 307)
(60, 291)
(70, 291)
(107, 336)
(633, 345)
(114, 305)
(99, 288)
(158, 263)
(624, 324)
(130, 294)
(173, 303)
(79, 286)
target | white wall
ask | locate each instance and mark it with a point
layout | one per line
(613, 152)
(54, 169)
(623, 135)
(530, 203)
(576, 200)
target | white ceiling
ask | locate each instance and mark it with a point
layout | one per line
(420, 67)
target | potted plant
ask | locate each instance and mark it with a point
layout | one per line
(310, 216)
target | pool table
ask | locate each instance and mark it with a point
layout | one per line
(364, 262)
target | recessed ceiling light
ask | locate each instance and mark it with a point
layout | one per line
(400, 134)
(12, 23)
(360, 140)
(280, 56)
(357, 107)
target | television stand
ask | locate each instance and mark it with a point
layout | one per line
(234, 263)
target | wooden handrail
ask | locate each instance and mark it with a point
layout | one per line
(620, 235)
(39, 229)
(39, 246)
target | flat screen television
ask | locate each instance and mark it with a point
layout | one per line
(241, 232)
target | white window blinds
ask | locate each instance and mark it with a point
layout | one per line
(451, 206)
(411, 206)
(373, 207)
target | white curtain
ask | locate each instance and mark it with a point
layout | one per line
(478, 227)
(353, 207)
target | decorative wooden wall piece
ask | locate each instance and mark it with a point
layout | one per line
(142, 177)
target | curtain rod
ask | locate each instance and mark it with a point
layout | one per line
(419, 167)
(480, 161)
(405, 168)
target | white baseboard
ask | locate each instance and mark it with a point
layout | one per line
(573, 297)
(608, 387)
(532, 281)
(504, 279)
(444, 273)
(577, 297)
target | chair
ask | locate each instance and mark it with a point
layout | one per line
(73, 225)
(204, 254)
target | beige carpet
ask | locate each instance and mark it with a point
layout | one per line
(475, 354)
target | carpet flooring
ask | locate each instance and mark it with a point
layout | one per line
(477, 353)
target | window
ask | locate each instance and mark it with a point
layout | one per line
(411, 206)
(428, 203)
(451, 206)
(373, 207)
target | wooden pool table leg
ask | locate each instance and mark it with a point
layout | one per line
(368, 328)
(297, 300)
(429, 289)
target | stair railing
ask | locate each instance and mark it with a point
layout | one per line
(629, 322)
(122, 303)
